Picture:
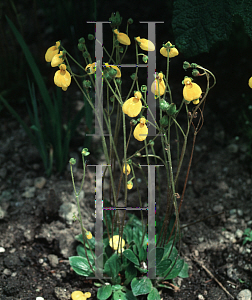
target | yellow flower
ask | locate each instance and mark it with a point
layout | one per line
(145, 45)
(78, 295)
(122, 38)
(133, 106)
(89, 235)
(191, 91)
(57, 60)
(62, 77)
(51, 52)
(128, 169)
(250, 82)
(172, 51)
(91, 68)
(117, 244)
(118, 74)
(154, 85)
(141, 131)
(129, 185)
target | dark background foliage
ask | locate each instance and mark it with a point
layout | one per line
(43, 22)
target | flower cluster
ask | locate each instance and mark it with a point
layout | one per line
(62, 77)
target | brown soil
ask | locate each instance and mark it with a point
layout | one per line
(31, 229)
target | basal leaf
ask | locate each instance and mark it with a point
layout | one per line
(142, 286)
(153, 295)
(129, 254)
(80, 265)
(104, 292)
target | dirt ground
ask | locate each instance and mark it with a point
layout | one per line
(37, 237)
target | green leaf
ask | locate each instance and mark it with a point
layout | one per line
(141, 287)
(130, 273)
(112, 267)
(116, 287)
(129, 254)
(104, 292)
(80, 265)
(198, 24)
(81, 252)
(130, 296)
(30, 60)
(159, 254)
(170, 251)
(90, 243)
(143, 253)
(175, 270)
(119, 295)
(153, 295)
(163, 266)
(184, 271)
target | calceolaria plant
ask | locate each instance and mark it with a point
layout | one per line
(133, 254)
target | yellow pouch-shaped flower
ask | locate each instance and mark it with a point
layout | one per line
(78, 295)
(141, 131)
(51, 52)
(133, 106)
(117, 243)
(129, 185)
(172, 51)
(122, 38)
(144, 44)
(128, 169)
(56, 61)
(62, 77)
(90, 68)
(191, 91)
(161, 85)
(250, 82)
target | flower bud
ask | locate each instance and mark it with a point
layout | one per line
(86, 84)
(121, 49)
(81, 47)
(107, 76)
(118, 81)
(151, 142)
(115, 19)
(89, 235)
(195, 72)
(163, 105)
(72, 161)
(85, 152)
(91, 37)
(86, 54)
(82, 40)
(112, 72)
(130, 21)
(133, 122)
(171, 109)
(145, 59)
(164, 121)
(133, 76)
(186, 65)
(194, 65)
(143, 88)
